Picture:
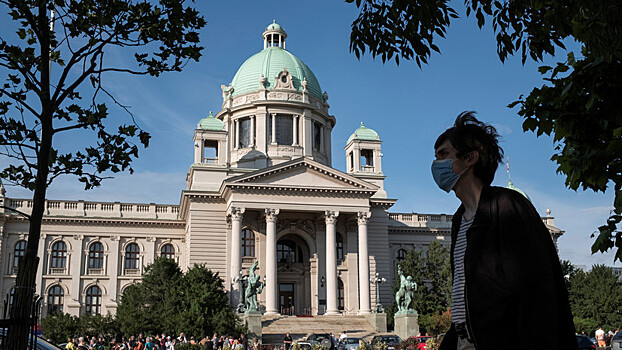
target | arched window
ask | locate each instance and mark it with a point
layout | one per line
(340, 295)
(59, 255)
(131, 256)
(96, 256)
(401, 255)
(248, 242)
(93, 300)
(55, 299)
(20, 250)
(167, 251)
(286, 251)
(339, 246)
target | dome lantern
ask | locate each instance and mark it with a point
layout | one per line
(274, 36)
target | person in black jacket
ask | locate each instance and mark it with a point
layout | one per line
(508, 289)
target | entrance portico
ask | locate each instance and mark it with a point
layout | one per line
(298, 235)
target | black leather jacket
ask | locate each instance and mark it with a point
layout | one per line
(515, 292)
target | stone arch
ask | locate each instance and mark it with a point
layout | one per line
(59, 239)
(301, 234)
(56, 283)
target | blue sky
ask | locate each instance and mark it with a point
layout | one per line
(409, 107)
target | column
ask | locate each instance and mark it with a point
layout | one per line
(273, 131)
(150, 250)
(236, 242)
(76, 266)
(41, 269)
(237, 134)
(271, 284)
(3, 254)
(364, 306)
(295, 131)
(331, 263)
(113, 269)
(252, 131)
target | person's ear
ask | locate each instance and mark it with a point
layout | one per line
(471, 158)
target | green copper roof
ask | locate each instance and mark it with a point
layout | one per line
(269, 63)
(512, 187)
(211, 123)
(364, 133)
(274, 26)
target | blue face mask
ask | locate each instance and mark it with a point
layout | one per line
(443, 173)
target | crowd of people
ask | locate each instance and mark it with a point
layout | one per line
(162, 342)
(604, 338)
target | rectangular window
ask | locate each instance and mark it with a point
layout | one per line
(367, 158)
(284, 129)
(210, 152)
(246, 134)
(317, 136)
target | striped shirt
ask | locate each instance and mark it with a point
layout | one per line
(458, 307)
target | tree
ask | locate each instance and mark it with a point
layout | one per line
(168, 301)
(58, 327)
(579, 105)
(53, 86)
(431, 270)
(595, 298)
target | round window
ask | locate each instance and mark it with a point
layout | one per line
(284, 78)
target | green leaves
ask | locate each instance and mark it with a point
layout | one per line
(166, 300)
(595, 298)
(399, 29)
(432, 273)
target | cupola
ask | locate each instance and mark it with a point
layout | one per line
(274, 36)
(364, 157)
(210, 140)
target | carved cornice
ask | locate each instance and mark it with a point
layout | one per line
(109, 221)
(251, 188)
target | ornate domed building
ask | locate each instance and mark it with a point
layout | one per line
(261, 189)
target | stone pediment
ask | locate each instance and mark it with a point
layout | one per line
(302, 173)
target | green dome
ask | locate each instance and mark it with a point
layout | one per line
(364, 133)
(211, 123)
(274, 26)
(269, 63)
(512, 187)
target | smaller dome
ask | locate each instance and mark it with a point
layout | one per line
(512, 187)
(274, 26)
(211, 123)
(364, 133)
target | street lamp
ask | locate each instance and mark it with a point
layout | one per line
(378, 281)
(240, 279)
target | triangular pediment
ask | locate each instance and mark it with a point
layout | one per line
(302, 173)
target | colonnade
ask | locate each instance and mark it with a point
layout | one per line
(271, 288)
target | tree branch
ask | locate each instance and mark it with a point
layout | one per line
(21, 103)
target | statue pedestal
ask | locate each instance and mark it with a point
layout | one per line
(378, 321)
(252, 321)
(406, 324)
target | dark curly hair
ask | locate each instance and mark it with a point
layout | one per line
(470, 134)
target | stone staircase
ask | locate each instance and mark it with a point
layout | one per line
(275, 327)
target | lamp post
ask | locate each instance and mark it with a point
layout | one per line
(240, 279)
(378, 281)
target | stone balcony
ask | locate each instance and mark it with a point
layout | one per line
(84, 209)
